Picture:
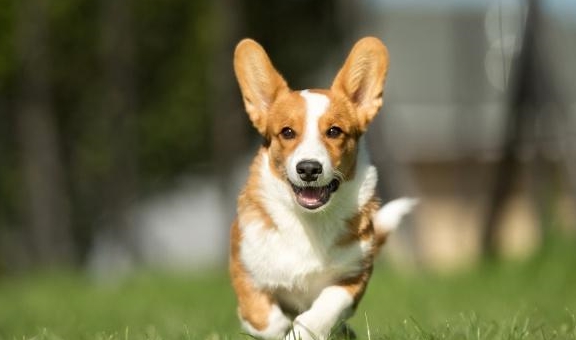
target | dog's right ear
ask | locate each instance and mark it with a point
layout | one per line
(362, 78)
(259, 81)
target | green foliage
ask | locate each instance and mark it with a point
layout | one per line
(8, 172)
(170, 122)
(6, 42)
(174, 56)
(534, 300)
(161, 127)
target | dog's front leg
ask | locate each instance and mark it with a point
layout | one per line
(333, 305)
(259, 313)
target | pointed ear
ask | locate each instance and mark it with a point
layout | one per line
(362, 77)
(259, 81)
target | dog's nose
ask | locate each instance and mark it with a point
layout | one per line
(309, 170)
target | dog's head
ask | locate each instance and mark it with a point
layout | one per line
(312, 135)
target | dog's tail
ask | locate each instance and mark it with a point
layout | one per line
(389, 217)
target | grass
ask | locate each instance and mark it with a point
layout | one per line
(531, 300)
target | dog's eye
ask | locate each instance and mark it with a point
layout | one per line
(288, 133)
(334, 132)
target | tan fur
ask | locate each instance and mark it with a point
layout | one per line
(361, 79)
(253, 304)
(361, 228)
(249, 205)
(356, 285)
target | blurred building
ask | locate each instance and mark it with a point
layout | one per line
(446, 120)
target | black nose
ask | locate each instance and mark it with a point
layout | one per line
(309, 170)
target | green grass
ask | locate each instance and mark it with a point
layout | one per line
(531, 300)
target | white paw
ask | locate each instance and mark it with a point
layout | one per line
(300, 332)
(278, 323)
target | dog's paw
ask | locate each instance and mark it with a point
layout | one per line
(342, 332)
(301, 332)
(277, 326)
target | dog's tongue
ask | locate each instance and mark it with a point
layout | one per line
(312, 197)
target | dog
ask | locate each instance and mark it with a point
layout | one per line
(308, 221)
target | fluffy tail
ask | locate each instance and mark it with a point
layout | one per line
(389, 217)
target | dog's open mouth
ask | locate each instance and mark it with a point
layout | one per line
(311, 197)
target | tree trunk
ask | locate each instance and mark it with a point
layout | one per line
(118, 115)
(46, 202)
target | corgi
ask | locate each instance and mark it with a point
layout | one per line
(308, 222)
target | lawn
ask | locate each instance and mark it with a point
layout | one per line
(535, 299)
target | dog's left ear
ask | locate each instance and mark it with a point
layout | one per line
(259, 81)
(362, 77)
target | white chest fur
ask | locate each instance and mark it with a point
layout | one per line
(296, 257)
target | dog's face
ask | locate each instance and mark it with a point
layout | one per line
(312, 135)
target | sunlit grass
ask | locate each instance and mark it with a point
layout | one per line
(147, 306)
(532, 300)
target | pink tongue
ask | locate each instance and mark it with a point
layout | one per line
(311, 194)
(312, 198)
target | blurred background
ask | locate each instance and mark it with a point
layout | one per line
(124, 142)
